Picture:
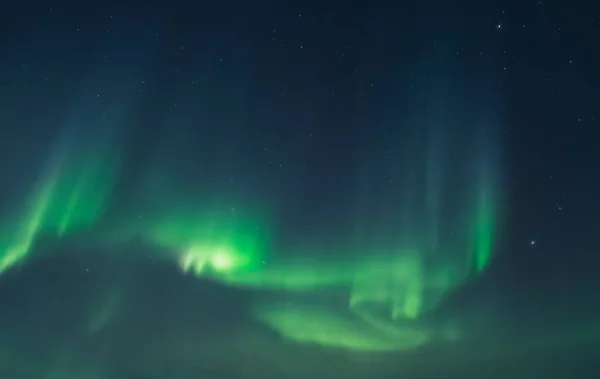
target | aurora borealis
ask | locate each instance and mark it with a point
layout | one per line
(381, 190)
(437, 233)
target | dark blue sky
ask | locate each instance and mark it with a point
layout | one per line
(295, 102)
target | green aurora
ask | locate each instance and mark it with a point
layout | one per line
(388, 287)
(69, 197)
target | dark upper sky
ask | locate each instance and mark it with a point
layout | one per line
(299, 97)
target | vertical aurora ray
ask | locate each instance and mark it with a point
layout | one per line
(86, 197)
(485, 208)
(18, 240)
(83, 189)
(484, 231)
(70, 197)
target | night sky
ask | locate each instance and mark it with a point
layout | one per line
(371, 178)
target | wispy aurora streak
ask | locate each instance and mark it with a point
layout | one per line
(486, 206)
(68, 198)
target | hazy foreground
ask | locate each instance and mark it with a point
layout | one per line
(95, 318)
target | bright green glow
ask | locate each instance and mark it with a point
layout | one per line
(218, 243)
(220, 259)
